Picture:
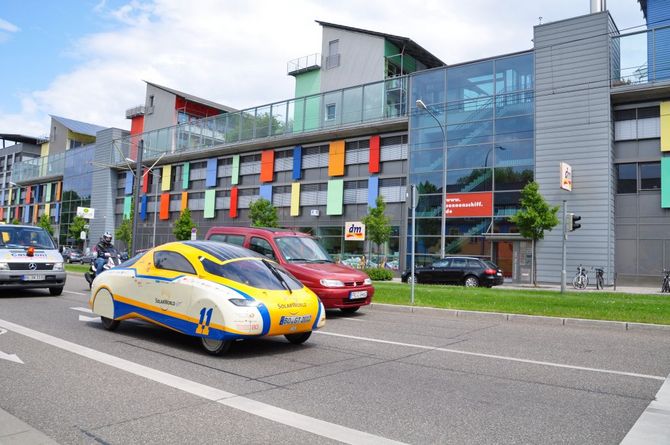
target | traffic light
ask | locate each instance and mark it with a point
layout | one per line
(572, 222)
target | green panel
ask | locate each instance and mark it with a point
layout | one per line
(393, 53)
(47, 194)
(306, 117)
(335, 197)
(308, 83)
(126, 207)
(185, 175)
(210, 203)
(665, 182)
(235, 176)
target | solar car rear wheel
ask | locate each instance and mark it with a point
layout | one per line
(109, 324)
(215, 347)
(298, 339)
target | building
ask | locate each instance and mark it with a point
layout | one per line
(583, 95)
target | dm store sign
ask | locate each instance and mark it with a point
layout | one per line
(354, 231)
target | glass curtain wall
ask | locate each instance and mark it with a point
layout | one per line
(77, 184)
(486, 111)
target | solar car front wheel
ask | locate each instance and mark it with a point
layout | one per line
(109, 324)
(298, 339)
(215, 347)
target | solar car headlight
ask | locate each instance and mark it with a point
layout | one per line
(367, 281)
(4, 266)
(58, 266)
(244, 302)
(331, 283)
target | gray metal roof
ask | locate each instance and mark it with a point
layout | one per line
(22, 139)
(195, 99)
(78, 126)
(412, 48)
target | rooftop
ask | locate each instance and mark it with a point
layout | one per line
(78, 126)
(192, 98)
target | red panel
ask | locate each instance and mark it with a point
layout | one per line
(233, 202)
(465, 205)
(2, 213)
(194, 108)
(136, 127)
(27, 197)
(165, 206)
(373, 166)
(146, 179)
(17, 214)
(267, 165)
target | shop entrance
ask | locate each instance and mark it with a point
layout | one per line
(514, 257)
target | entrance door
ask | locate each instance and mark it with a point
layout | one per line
(503, 256)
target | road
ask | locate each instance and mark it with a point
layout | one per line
(376, 377)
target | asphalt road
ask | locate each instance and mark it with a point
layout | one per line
(377, 376)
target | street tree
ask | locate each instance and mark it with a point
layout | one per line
(183, 226)
(45, 223)
(534, 218)
(263, 214)
(16, 222)
(76, 227)
(125, 233)
(377, 224)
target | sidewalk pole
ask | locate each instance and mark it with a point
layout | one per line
(565, 237)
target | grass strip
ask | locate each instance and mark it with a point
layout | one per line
(77, 268)
(603, 305)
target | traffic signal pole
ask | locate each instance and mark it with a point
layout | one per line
(565, 238)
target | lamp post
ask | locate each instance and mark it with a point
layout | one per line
(443, 232)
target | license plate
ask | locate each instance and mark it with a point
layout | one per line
(33, 278)
(295, 319)
(358, 294)
(499, 274)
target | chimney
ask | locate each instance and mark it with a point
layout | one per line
(598, 6)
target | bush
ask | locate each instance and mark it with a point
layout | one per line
(379, 274)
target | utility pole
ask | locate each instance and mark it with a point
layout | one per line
(136, 195)
(565, 238)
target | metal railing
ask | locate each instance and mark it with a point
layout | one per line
(641, 57)
(303, 63)
(44, 167)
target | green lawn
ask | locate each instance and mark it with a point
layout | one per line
(77, 267)
(594, 305)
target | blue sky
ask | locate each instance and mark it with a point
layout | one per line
(87, 59)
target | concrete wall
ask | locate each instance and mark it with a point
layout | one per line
(163, 114)
(361, 59)
(573, 125)
(57, 137)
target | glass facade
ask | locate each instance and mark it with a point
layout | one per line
(77, 184)
(480, 115)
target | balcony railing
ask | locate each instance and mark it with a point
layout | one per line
(303, 64)
(361, 104)
(641, 57)
(44, 167)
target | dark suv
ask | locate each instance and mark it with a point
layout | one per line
(468, 271)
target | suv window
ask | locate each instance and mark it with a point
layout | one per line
(172, 261)
(474, 263)
(262, 246)
(441, 263)
(231, 239)
(458, 262)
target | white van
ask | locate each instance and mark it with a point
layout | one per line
(29, 259)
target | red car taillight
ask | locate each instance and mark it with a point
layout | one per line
(490, 272)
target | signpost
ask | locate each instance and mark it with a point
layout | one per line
(86, 212)
(413, 196)
(194, 233)
(565, 184)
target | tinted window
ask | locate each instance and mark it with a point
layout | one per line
(132, 261)
(458, 263)
(254, 273)
(441, 263)
(650, 176)
(172, 261)
(626, 178)
(474, 263)
(261, 246)
(14, 237)
(218, 237)
(232, 239)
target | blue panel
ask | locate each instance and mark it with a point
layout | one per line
(266, 192)
(2, 197)
(57, 215)
(26, 214)
(36, 196)
(373, 191)
(210, 180)
(129, 183)
(297, 162)
(143, 208)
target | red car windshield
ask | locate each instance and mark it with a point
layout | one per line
(302, 249)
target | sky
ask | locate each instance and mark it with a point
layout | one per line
(88, 59)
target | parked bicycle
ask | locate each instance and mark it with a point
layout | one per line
(665, 286)
(581, 279)
(600, 278)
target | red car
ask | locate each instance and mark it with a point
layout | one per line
(338, 286)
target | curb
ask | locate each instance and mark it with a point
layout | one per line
(533, 319)
(14, 430)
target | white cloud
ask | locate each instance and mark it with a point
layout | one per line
(235, 53)
(9, 27)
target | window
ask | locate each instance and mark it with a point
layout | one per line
(330, 112)
(333, 57)
(231, 239)
(262, 246)
(256, 273)
(474, 264)
(172, 261)
(650, 176)
(458, 263)
(441, 263)
(333, 47)
(626, 178)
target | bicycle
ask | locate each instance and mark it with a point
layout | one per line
(665, 286)
(581, 279)
(600, 278)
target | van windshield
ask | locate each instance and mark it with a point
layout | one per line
(302, 249)
(14, 237)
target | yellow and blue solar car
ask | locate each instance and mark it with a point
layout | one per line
(215, 291)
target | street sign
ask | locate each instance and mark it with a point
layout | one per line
(314, 212)
(86, 212)
(194, 233)
(82, 235)
(566, 176)
(412, 195)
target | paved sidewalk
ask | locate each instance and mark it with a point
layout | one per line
(16, 432)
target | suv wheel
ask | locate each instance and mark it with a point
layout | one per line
(471, 281)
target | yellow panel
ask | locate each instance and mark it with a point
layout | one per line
(295, 199)
(336, 158)
(167, 176)
(9, 198)
(47, 209)
(184, 200)
(665, 126)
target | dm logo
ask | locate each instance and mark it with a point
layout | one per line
(354, 231)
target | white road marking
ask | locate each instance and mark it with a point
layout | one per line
(497, 357)
(350, 319)
(653, 426)
(75, 293)
(10, 357)
(82, 309)
(85, 318)
(273, 413)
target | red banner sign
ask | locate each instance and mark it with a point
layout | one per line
(467, 205)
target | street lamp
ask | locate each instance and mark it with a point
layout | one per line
(422, 106)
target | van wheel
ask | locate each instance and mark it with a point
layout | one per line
(215, 347)
(298, 339)
(349, 310)
(56, 291)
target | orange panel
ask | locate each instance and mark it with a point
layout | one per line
(27, 197)
(184, 200)
(233, 202)
(59, 185)
(267, 165)
(36, 210)
(373, 166)
(165, 206)
(336, 159)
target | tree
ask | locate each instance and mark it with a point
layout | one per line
(16, 222)
(183, 226)
(76, 227)
(534, 218)
(263, 214)
(45, 223)
(377, 224)
(125, 232)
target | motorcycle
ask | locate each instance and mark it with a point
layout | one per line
(111, 261)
